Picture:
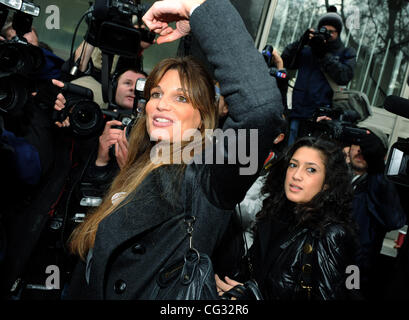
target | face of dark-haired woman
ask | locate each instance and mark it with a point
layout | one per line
(305, 175)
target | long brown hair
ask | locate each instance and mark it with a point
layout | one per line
(201, 94)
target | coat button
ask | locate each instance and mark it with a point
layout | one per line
(138, 249)
(120, 286)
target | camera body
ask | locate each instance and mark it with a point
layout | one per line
(342, 127)
(318, 42)
(112, 30)
(323, 34)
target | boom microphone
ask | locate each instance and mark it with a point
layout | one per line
(397, 105)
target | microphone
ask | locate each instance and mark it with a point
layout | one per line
(397, 105)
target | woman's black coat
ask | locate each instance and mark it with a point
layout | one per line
(136, 241)
(279, 255)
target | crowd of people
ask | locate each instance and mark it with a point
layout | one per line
(109, 208)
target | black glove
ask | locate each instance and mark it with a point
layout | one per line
(374, 153)
(305, 38)
(318, 47)
(248, 291)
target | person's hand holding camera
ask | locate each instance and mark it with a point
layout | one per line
(121, 149)
(60, 104)
(110, 136)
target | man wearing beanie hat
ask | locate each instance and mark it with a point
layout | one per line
(317, 55)
(376, 206)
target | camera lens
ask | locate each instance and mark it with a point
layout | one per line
(9, 58)
(86, 118)
(13, 95)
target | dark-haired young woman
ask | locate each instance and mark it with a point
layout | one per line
(304, 235)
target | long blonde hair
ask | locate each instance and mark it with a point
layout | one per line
(201, 94)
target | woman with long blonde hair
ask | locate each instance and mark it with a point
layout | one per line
(139, 227)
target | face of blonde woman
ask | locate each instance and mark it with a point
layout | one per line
(305, 175)
(169, 112)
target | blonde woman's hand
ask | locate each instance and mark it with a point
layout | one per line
(163, 12)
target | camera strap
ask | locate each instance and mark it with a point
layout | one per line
(107, 60)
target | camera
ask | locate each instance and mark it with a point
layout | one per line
(318, 42)
(342, 127)
(86, 117)
(112, 30)
(19, 60)
(320, 36)
(397, 165)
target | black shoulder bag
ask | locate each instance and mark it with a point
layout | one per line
(193, 277)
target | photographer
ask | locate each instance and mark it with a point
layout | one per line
(376, 205)
(53, 63)
(35, 160)
(124, 93)
(317, 55)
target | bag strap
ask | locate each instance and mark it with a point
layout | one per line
(187, 204)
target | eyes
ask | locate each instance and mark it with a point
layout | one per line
(310, 170)
(157, 94)
(127, 83)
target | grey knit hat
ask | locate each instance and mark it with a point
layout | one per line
(331, 19)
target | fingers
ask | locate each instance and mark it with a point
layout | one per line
(323, 118)
(57, 83)
(221, 285)
(65, 123)
(231, 281)
(163, 12)
(60, 102)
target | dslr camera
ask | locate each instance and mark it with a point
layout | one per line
(320, 36)
(19, 60)
(86, 117)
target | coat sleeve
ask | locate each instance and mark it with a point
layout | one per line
(334, 255)
(289, 56)
(384, 202)
(252, 96)
(340, 69)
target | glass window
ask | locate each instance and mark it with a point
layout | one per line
(376, 30)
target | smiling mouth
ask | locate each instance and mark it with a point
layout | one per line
(162, 122)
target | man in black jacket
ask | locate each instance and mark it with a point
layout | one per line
(376, 205)
(317, 55)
